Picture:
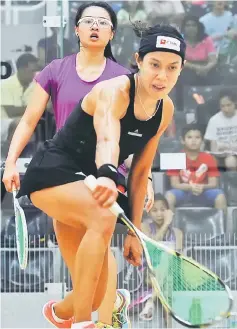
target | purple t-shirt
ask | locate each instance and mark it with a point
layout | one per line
(61, 81)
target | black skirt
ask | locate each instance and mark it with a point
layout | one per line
(53, 166)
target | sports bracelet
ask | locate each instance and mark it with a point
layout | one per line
(108, 170)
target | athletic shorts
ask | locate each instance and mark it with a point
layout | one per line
(207, 198)
(52, 166)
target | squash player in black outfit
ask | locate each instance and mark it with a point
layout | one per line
(122, 116)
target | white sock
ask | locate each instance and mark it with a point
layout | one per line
(55, 316)
(80, 325)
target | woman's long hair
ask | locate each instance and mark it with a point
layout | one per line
(108, 51)
(201, 34)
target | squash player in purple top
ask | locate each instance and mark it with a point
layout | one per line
(66, 81)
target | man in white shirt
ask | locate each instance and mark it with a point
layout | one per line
(222, 130)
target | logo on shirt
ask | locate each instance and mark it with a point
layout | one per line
(112, 169)
(167, 42)
(195, 177)
(80, 173)
(135, 133)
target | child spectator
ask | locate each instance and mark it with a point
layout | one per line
(159, 227)
(198, 183)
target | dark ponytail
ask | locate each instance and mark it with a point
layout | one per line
(108, 52)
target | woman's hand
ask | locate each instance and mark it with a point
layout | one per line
(168, 217)
(11, 177)
(132, 250)
(105, 192)
(149, 196)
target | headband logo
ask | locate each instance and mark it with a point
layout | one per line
(167, 42)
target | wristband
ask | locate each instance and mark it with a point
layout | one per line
(109, 171)
(150, 178)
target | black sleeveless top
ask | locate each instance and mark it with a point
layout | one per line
(78, 135)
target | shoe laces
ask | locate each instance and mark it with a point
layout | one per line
(102, 325)
(118, 319)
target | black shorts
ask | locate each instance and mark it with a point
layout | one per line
(52, 166)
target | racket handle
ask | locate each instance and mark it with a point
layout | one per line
(91, 182)
(14, 190)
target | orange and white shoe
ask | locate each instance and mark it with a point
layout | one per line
(48, 314)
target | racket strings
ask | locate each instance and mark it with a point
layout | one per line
(192, 293)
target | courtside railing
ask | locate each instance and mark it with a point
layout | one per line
(46, 273)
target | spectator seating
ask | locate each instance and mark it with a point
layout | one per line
(220, 260)
(39, 227)
(207, 92)
(38, 272)
(230, 186)
(201, 225)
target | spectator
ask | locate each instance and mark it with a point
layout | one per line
(168, 12)
(160, 228)
(222, 130)
(201, 58)
(16, 91)
(196, 8)
(131, 10)
(217, 23)
(127, 42)
(198, 184)
(48, 48)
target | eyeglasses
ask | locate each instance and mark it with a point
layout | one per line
(103, 23)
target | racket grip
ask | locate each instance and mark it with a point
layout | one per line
(91, 182)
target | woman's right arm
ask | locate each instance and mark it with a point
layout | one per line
(23, 133)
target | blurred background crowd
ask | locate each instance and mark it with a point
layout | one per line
(200, 221)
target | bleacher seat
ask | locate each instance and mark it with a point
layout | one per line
(221, 261)
(38, 272)
(234, 222)
(200, 225)
(230, 186)
(39, 226)
(180, 122)
(169, 145)
(207, 92)
(166, 145)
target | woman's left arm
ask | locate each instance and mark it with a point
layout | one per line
(141, 165)
(212, 61)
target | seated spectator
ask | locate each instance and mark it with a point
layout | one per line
(126, 41)
(231, 34)
(217, 23)
(16, 90)
(198, 183)
(159, 228)
(201, 58)
(196, 8)
(166, 12)
(49, 49)
(131, 10)
(222, 131)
